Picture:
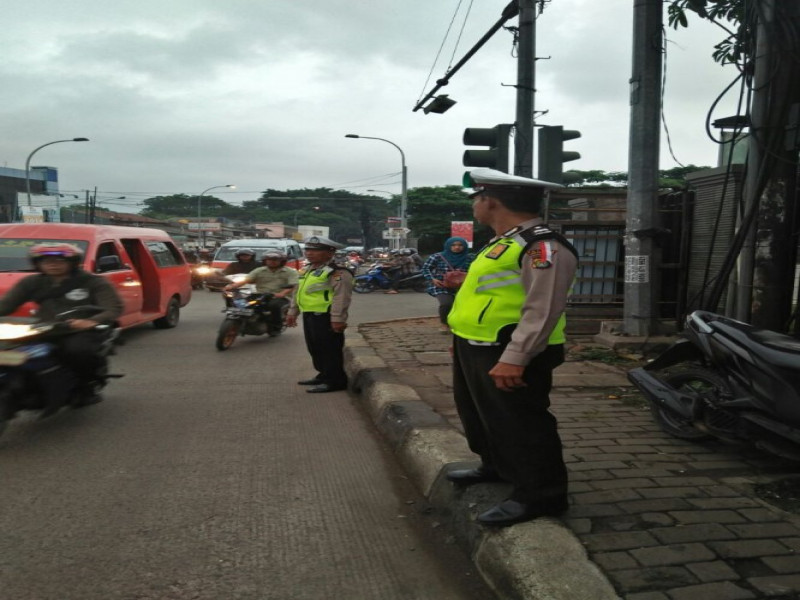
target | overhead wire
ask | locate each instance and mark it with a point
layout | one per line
(439, 52)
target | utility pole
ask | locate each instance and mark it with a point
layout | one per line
(640, 316)
(763, 295)
(526, 89)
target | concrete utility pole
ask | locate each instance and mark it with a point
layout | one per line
(763, 295)
(640, 317)
(526, 89)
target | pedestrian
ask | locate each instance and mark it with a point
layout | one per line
(508, 324)
(454, 257)
(323, 297)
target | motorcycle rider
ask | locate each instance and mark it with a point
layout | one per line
(61, 285)
(274, 278)
(245, 262)
(401, 266)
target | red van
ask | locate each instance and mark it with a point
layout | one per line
(145, 266)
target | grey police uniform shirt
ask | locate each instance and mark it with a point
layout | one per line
(546, 292)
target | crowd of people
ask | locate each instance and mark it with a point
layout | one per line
(504, 306)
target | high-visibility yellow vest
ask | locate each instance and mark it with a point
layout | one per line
(492, 295)
(314, 290)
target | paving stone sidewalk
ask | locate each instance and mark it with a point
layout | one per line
(663, 519)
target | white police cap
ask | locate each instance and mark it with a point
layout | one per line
(483, 178)
(318, 242)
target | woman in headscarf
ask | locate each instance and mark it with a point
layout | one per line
(454, 257)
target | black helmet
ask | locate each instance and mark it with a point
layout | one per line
(244, 252)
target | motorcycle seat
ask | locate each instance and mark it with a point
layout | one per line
(780, 350)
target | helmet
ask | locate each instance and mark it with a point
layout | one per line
(244, 252)
(61, 250)
(274, 254)
(406, 251)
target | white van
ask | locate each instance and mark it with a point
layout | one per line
(226, 253)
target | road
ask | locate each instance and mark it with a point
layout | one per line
(211, 475)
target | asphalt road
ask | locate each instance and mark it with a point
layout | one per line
(212, 475)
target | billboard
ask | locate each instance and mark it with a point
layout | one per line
(462, 229)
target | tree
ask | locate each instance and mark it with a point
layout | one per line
(730, 15)
(183, 205)
(431, 210)
(674, 178)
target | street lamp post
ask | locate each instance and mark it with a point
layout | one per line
(28, 165)
(199, 198)
(404, 188)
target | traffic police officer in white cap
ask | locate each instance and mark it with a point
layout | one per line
(508, 325)
(323, 297)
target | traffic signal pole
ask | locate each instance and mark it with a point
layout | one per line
(526, 89)
(640, 314)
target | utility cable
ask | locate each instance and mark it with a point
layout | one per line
(441, 47)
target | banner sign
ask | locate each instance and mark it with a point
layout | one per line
(463, 229)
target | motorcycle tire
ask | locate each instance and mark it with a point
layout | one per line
(694, 382)
(364, 287)
(228, 332)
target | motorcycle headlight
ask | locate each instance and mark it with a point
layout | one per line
(203, 270)
(17, 331)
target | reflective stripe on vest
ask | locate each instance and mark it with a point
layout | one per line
(314, 290)
(492, 296)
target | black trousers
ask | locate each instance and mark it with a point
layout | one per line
(326, 348)
(80, 353)
(514, 433)
(445, 304)
(275, 307)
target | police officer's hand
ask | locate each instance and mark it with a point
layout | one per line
(437, 282)
(338, 327)
(507, 377)
(291, 321)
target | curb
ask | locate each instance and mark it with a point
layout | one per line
(537, 560)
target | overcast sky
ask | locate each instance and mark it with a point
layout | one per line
(181, 95)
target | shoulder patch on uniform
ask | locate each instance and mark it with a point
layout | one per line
(541, 255)
(497, 251)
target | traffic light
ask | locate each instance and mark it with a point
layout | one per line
(496, 138)
(552, 156)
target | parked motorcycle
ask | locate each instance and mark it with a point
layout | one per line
(727, 380)
(247, 313)
(377, 279)
(31, 376)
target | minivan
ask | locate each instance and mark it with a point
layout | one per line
(226, 253)
(145, 266)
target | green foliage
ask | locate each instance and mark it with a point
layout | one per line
(674, 178)
(182, 205)
(730, 15)
(431, 210)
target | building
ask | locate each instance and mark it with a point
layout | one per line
(43, 181)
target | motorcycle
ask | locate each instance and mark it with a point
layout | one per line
(247, 312)
(200, 273)
(377, 279)
(31, 376)
(727, 380)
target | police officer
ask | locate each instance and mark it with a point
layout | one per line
(323, 297)
(508, 324)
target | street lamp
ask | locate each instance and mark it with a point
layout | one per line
(404, 189)
(28, 162)
(199, 198)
